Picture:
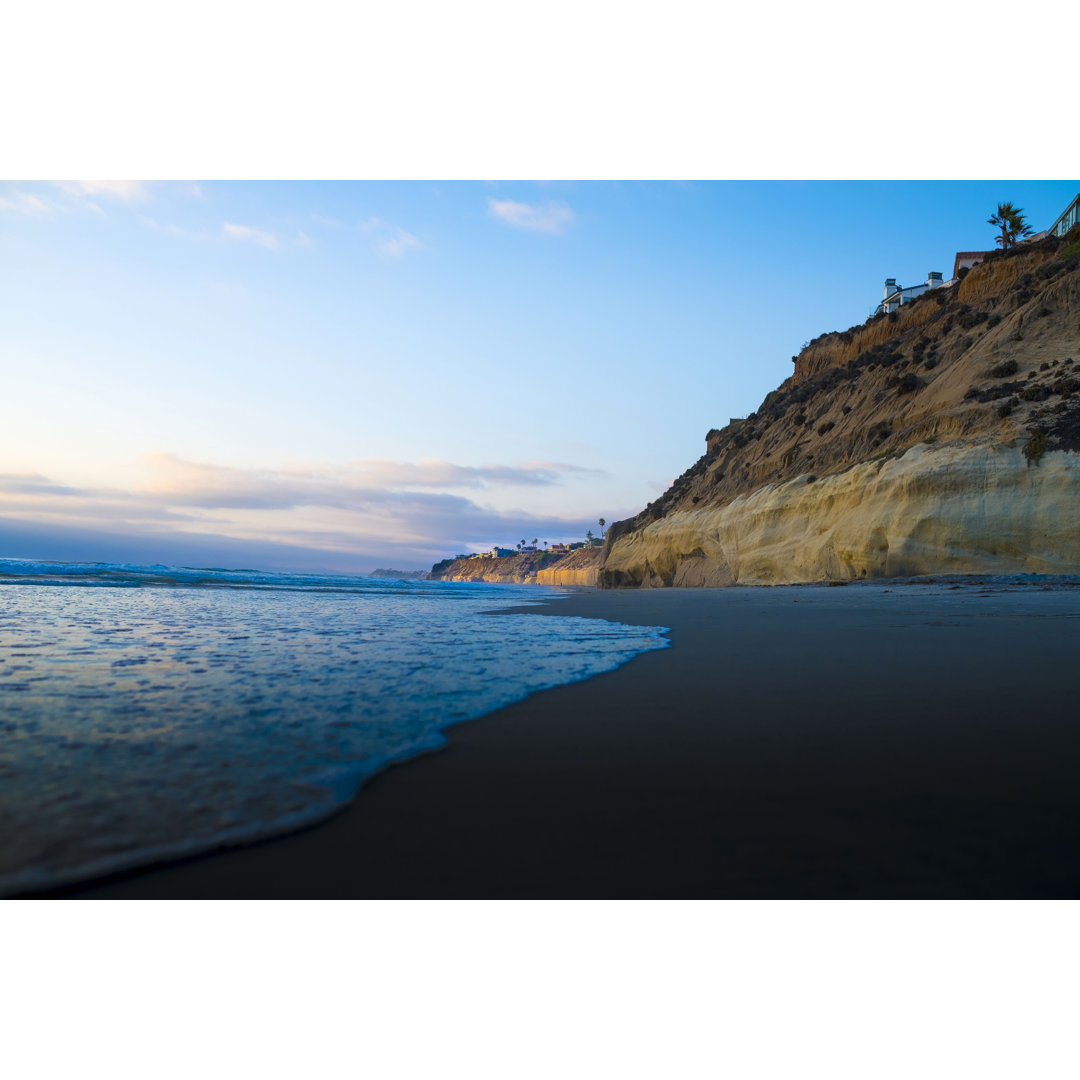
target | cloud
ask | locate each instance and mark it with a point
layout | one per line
(389, 239)
(70, 196)
(121, 190)
(174, 230)
(414, 510)
(550, 217)
(22, 202)
(254, 236)
(303, 240)
(33, 484)
(357, 485)
(397, 244)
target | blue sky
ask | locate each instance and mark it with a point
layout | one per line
(347, 375)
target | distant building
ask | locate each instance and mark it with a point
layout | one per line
(575, 547)
(529, 548)
(501, 553)
(965, 260)
(895, 295)
(559, 548)
(1069, 217)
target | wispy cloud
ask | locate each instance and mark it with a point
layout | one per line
(303, 240)
(397, 244)
(121, 190)
(33, 484)
(254, 236)
(550, 217)
(356, 484)
(174, 230)
(73, 196)
(22, 202)
(390, 239)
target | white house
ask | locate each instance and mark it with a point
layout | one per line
(895, 295)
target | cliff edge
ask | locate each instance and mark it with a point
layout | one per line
(940, 438)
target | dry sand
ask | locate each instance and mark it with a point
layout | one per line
(876, 741)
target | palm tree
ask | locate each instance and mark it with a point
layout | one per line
(1010, 220)
(602, 524)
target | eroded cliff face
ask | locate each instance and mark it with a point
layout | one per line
(964, 510)
(938, 440)
(579, 567)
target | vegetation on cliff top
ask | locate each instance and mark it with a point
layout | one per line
(1010, 220)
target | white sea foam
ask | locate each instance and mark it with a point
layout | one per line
(155, 712)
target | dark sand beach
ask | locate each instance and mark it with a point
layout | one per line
(875, 741)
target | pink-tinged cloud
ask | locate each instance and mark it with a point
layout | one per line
(378, 507)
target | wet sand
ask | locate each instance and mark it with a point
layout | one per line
(873, 741)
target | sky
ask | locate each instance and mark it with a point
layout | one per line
(351, 375)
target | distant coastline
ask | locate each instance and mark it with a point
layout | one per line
(580, 567)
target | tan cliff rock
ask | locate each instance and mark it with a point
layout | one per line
(939, 439)
(965, 510)
(579, 567)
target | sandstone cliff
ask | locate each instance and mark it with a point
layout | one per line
(941, 438)
(543, 568)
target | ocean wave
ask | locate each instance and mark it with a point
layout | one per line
(120, 575)
(192, 708)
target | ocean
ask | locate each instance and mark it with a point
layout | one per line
(155, 712)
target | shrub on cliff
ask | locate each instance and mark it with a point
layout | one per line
(1035, 447)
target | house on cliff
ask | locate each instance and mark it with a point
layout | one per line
(895, 295)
